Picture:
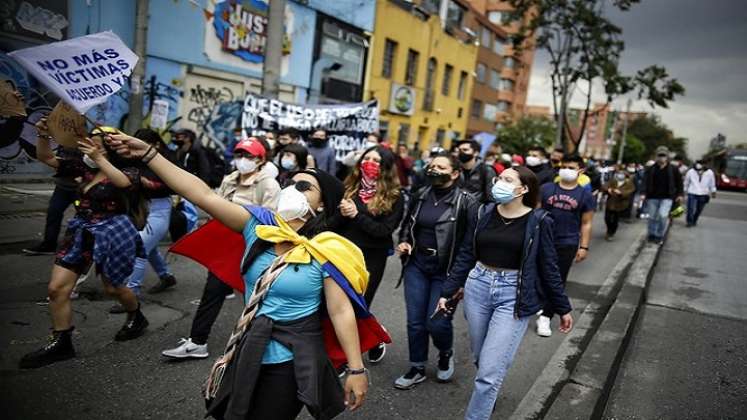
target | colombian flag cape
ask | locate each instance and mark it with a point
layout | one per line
(221, 250)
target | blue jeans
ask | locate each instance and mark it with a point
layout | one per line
(422, 292)
(658, 215)
(159, 215)
(695, 205)
(494, 333)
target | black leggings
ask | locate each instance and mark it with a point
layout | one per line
(213, 296)
(276, 394)
(375, 264)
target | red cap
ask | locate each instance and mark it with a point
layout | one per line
(252, 146)
(517, 159)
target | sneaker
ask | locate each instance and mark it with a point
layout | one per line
(413, 377)
(133, 328)
(445, 366)
(60, 347)
(543, 326)
(41, 249)
(187, 349)
(231, 296)
(163, 283)
(376, 354)
(117, 308)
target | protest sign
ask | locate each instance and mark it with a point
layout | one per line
(159, 115)
(11, 104)
(83, 71)
(66, 125)
(347, 125)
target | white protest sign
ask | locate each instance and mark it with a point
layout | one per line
(159, 116)
(83, 71)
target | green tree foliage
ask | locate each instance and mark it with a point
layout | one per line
(526, 132)
(584, 46)
(635, 150)
(653, 133)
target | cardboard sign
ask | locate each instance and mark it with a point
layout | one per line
(66, 125)
(11, 105)
(83, 71)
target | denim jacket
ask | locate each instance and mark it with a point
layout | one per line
(539, 277)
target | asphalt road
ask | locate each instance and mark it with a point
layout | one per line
(131, 380)
(686, 357)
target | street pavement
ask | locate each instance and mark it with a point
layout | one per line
(686, 358)
(132, 381)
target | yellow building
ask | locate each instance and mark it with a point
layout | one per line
(421, 71)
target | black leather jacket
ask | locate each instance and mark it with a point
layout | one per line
(451, 227)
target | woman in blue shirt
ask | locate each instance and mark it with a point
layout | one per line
(293, 296)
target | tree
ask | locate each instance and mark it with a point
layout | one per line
(635, 150)
(584, 46)
(653, 133)
(526, 132)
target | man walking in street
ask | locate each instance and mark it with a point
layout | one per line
(700, 185)
(477, 177)
(572, 208)
(537, 162)
(191, 156)
(662, 186)
(324, 155)
(618, 188)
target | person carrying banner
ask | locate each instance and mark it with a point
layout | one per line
(248, 185)
(290, 264)
(372, 209)
(103, 232)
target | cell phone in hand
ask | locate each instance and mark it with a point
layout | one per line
(451, 305)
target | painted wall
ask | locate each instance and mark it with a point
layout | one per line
(359, 13)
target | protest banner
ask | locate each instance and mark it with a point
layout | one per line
(347, 125)
(66, 125)
(11, 104)
(83, 71)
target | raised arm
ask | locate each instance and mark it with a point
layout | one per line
(182, 182)
(116, 176)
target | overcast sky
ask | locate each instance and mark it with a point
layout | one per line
(701, 43)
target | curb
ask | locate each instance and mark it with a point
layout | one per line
(548, 385)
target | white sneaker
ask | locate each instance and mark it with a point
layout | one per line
(413, 377)
(445, 366)
(187, 349)
(543, 326)
(231, 296)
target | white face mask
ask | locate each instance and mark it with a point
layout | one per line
(568, 175)
(292, 204)
(533, 161)
(89, 162)
(245, 166)
(620, 176)
(698, 166)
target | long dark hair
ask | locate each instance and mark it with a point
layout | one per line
(331, 190)
(528, 179)
(387, 186)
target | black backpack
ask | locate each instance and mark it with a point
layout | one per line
(217, 167)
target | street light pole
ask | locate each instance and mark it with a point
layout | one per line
(624, 133)
(135, 117)
(273, 50)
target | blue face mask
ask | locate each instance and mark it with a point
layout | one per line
(503, 192)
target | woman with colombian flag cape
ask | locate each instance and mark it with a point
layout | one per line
(304, 291)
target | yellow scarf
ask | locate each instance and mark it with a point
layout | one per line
(324, 247)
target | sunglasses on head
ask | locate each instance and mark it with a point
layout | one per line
(301, 186)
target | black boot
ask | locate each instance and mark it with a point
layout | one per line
(60, 347)
(134, 327)
(164, 283)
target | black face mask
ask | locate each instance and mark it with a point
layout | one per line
(316, 142)
(555, 162)
(179, 143)
(464, 157)
(437, 179)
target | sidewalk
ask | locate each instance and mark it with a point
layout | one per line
(686, 357)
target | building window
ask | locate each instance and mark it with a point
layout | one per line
(459, 112)
(431, 6)
(509, 62)
(384, 129)
(476, 108)
(503, 106)
(488, 113)
(446, 85)
(495, 79)
(498, 45)
(486, 37)
(404, 134)
(507, 84)
(481, 69)
(430, 81)
(440, 134)
(462, 85)
(454, 14)
(390, 51)
(412, 67)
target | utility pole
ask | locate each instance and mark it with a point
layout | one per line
(621, 150)
(273, 50)
(560, 134)
(137, 78)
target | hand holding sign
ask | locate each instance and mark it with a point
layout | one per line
(66, 126)
(11, 101)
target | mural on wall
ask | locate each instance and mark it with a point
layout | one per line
(18, 139)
